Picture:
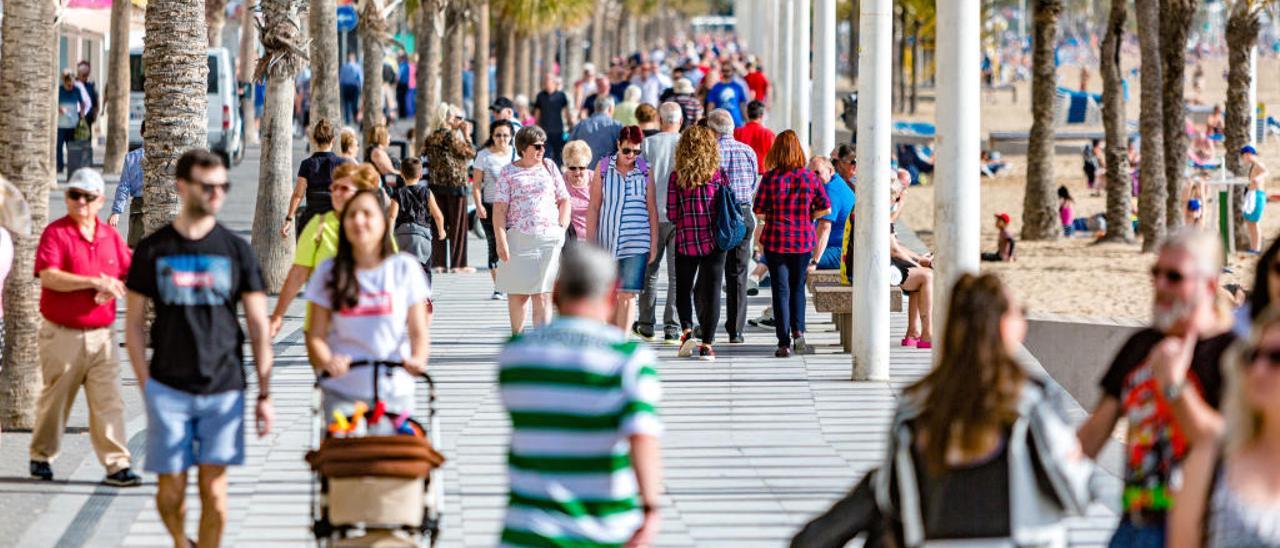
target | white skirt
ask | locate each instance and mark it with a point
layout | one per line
(534, 264)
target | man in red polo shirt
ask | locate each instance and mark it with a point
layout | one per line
(81, 262)
(754, 134)
(757, 83)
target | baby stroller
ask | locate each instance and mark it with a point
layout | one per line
(376, 490)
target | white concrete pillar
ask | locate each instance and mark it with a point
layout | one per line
(786, 73)
(957, 214)
(801, 91)
(824, 77)
(871, 232)
(774, 63)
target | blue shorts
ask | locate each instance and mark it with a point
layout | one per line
(631, 271)
(185, 429)
(830, 259)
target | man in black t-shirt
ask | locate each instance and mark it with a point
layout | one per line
(1166, 381)
(551, 109)
(196, 271)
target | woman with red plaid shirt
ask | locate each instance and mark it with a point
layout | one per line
(699, 263)
(788, 202)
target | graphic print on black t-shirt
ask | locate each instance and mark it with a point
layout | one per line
(193, 280)
(1156, 444)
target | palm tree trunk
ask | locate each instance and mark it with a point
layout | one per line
(215, 13)
(524, 64)
(480, 70)
(458, 49)
(248, 60)
(322, 23)
(451, 69)
(853, 44)
(506, 65)
(915, 64)
(536, 65)
(176, 101)
(899, 70)
(1119, 229)
(373, 33)
(431, 23)
(574, 59)
(1039, 215)
(1152, 200)
(1176, 19)
(27, 73)
(118, 89)
(550, 58)
(1243, 26)
(599, 57)
(275, 177)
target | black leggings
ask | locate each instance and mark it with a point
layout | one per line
(487, 224)
(698, 283)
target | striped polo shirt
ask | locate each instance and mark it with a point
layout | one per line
(624, 227)
(576, 390)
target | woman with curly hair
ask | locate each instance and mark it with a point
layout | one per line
(447, 151)
(699, 263)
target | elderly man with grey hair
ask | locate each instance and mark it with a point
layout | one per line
(659, 151)
(739, 163)
(578, 373)
(600, 131)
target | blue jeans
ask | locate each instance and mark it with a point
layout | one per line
(350, 103)
(1129, 535)
(788, 271)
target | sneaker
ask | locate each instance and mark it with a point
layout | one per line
(498, 296)
(41, 470)
(706, 354)
(123, 478)
(765, 322)
(736, 339)
(671, 338)
(800, 345)
(645, 333)
(753, 287)
(686, 345)
(782, 352)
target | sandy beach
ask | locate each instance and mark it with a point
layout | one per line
(1074, 276)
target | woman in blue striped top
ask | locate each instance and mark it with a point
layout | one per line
(623, 218)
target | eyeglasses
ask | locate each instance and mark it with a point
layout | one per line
(341, 189)
(1172, 276)
(1270, 356)
(629, 151)
(77, 195)
(576, 169)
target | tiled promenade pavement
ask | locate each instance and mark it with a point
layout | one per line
(755, 446)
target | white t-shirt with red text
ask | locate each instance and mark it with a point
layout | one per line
(376, 328)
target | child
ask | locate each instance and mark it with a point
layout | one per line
(1066, 210)
(1005, 243)
(1092, 164)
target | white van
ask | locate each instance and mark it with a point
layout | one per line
(225, 132)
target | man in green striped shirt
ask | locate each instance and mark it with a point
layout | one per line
(585, 467)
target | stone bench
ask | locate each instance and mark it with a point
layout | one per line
(822, 277)
(837, 300)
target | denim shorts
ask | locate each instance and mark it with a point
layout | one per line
(631, 271)
(185, 429)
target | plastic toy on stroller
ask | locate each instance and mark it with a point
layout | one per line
(377, 478)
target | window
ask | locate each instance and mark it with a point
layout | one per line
(137, 80)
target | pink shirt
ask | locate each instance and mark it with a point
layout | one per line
(579, 198)
(531, 195)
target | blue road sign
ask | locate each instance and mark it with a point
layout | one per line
(346, 18)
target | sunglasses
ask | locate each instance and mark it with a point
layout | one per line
(343, 189)
(1270, 356)
(77, 195)
(1170, 275)
(629, 151)
(210, 188)
(539, 146)
(576, 169)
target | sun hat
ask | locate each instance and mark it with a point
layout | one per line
(683, 86)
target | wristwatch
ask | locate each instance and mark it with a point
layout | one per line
(1174, 391)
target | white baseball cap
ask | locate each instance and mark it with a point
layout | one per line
(88, 180)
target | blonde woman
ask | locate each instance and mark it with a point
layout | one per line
(376, 154)
(447, 151)
(348, 144)
(577, 178)
(1230, 494)
(691, 192)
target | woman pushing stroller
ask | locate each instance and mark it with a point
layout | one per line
(368, 304)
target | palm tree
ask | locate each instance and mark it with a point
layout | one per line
(215, 14)
(1243, 25)
(176, 101)
(1176, 19)
(430, 16)
(374, 36)
(1113, 117)
(282, 59)
(246, 66)
(322, 26)
(118, 89)
(480, 70)
(1039, 214)
(1153, 196)
(27, 73)
(454, 53)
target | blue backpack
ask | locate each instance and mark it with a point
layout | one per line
(730, 228)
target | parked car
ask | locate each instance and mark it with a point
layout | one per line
(224, 126)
